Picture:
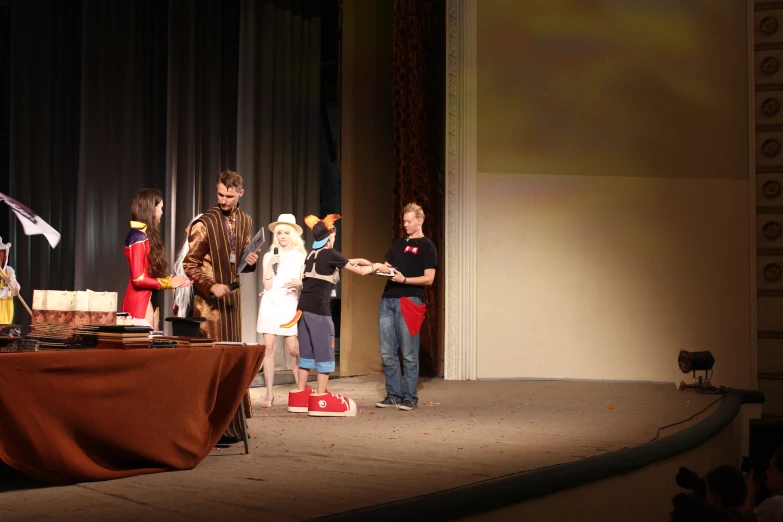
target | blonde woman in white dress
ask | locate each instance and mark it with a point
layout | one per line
(282, 270)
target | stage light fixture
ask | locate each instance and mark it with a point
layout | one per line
(695, 361)
(699, 362)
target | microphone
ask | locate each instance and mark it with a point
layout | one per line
(233, 286)
(274, 267)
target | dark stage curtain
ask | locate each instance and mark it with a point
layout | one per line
(123, 130)
(202, 110)
(202, 103)
(5, 110)
(110, 97)
(279, 117)
(419, 126)
(45, 83)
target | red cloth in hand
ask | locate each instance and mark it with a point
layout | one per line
(413, 314)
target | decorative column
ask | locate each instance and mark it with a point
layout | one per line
(460, 219)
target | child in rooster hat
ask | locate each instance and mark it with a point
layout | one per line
(314, 316)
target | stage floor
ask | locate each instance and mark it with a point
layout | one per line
(301, 467)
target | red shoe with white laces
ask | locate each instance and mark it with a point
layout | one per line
(298, 400)
(331, 405)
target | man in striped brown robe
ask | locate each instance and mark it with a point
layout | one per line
(217, 240)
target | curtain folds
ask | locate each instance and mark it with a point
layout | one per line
(278, 119)
(202, 110)
(110, 97)
(45, 96)
(202, 103)
(123, 130)
(419, 134)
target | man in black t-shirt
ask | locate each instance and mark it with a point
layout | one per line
(315, 327)
(412, 260)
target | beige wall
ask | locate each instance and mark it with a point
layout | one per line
(366, 163)
(607, 88)
(613, 203)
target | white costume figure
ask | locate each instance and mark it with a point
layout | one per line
(281, 272)
(9, 287)
(183, 297)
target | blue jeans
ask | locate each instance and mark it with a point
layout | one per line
(394, 334)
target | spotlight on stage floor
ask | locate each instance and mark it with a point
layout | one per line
(696, 362)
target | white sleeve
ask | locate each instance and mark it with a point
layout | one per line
(12, 275)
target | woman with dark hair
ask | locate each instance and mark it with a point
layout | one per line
(144, 251)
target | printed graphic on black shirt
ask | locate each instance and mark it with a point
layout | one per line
(317, 293)
(411, 257)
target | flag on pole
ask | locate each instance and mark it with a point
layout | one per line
(31, 222)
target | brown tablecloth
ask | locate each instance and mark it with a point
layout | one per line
(85, 415)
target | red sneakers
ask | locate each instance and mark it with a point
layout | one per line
(297, 400)
(330, 405)
(324, 405)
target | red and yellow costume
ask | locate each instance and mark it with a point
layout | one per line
(140, 285)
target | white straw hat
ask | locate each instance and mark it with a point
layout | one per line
(286, 219)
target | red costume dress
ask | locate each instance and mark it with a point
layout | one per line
(140, 285)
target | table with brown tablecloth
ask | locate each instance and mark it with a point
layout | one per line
(84, 415)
